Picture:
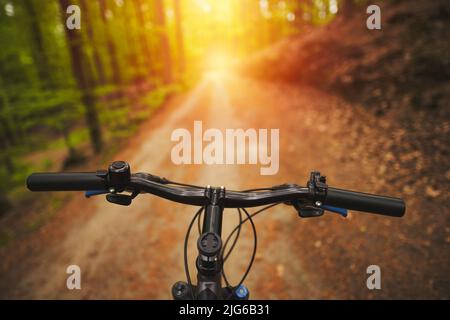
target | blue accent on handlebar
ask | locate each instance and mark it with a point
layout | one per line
(241, 292)
(92, 193)
(343, 212)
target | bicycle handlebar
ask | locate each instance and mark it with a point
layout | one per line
(140, 182)
(66, 181)
(232, 199)
(366, 202)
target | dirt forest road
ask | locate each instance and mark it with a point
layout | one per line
(136, 252)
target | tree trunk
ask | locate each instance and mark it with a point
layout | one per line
(164, 41)
(38, 51)
(82, 77)
(6, 136)
(117, 77)
(90, 34)
(143, 36)
(132, 41)
(179, 37)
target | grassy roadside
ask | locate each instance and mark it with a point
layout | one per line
(30, 211)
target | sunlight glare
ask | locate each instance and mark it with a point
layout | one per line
(219, 61)
(290, 16)
(9, 9)
(204, 5)
(333, 6)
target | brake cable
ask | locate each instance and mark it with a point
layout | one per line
(186, 240)
(235, 238)
(249, 217)
(255, 239)
(197, 217)
(199, 224)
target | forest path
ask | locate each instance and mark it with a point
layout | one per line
(136, 252)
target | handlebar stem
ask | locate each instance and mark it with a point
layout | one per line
(209, 261)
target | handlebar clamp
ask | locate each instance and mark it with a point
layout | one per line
(215, 196)
(317, 186)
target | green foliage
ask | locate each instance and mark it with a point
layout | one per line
(60, 90)
(5, 237)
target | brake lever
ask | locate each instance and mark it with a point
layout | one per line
(341, 211)
(116, 198)
(122, 199)
(92, 193)
(305, 210)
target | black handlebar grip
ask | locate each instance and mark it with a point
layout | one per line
(359, 201)
(80, 181)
